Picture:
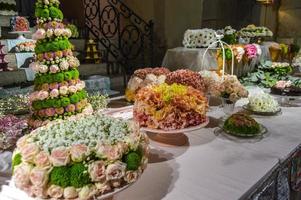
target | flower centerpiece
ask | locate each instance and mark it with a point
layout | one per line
(264, 103)
(199, 38)
(170, 107)
(79, 158)
(252, 31)
(59, 93)
(144, 77)
(26, 46)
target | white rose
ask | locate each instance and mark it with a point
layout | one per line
(60, 156)
(55, 191)
(115, 171)
(72, 89)
(70, 193)
(79, 152)
(58, 32)
(87, 192)
(131, 176)
(49, 33)
(63, 90)
(43, 69)
(21, 176)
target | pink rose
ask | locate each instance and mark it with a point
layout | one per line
(21, 176)
(72, 89)
(29, 151)
(55, 192)
(63, 90)
(50, 112)
(42, 113)
(60, 156)
(39, 34)
(54, 69)
(108, 151)
(22, 142)
(79, 152)
(42, 160)
(59, 111)
(43, 69)
(97, 171)
(54, 93)
(70, 108)
(251, 51)
(64, 65)
(43, 95)
(39, 177)
(39, 192)
(34, 66)
(115, 171)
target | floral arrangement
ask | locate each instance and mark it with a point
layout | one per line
(212, 80)
(8, 7)
(59, 93)
(230, 35)
(11, 129)
(283, 84)
(80, 158)
(252, 51)
(230, 88)
(74, 30)
(144, 77)
(267, 74)
(199, 38)
(98, 101)
(170, 107)
(19, 23)
(263, 102)
(255, 31)
(188, 78)
(26, 47)
(14, 105)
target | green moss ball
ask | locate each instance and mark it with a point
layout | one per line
(60, 176)
(79, 176)
(133, 161)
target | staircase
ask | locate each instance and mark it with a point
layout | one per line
(126, 37)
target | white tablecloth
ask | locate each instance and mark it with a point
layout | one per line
(213, 167)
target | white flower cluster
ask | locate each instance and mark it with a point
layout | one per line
(199, 38)
(89, 131)
(56, 66)
(11, 2)
(280, 65)
(263, 102)
(255, 31)
(41, 34)
(25, 47)
(47, 2)
(297, 61)
(228, 30)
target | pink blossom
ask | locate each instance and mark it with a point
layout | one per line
(54, 69)
(39, 34)
(64, 65)
(78, 152)
(34, 66)
(108, 151)
(97, 171)
(59, 111)
(43, 95)
(39, 177)
(70, 108)
(72, 89)
(43, 69)
(42, 160)
(55, 192)
(29, 151)
(60, 156)
(251, 51)
(21, 176)
(115, 171)
(50, 112)
(54, 93)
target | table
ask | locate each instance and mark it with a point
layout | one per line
(212, 167)
(191, 58)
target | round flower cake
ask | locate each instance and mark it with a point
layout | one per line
(170, 107)
(144, 77)
(79, 158)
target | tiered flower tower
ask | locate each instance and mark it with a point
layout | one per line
(59, 93)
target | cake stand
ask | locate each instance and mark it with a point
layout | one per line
(173, 138)
(20, 34)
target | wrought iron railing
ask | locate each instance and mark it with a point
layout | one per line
(126, 36)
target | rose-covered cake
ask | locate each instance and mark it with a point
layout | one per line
(188, 78)
(79, 158)
(144, 77)
(170, 107)
(19, 24)
(290, 88)
(241, 124)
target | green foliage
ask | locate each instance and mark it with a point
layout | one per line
(52, 46)
(55, 13)
(79, 176)
(57, 103)
(60, 176)
(295, 48)
(17, 160)
(132, 160)
(74, 98)
(65, 101)
(230, 39)
(59, 77)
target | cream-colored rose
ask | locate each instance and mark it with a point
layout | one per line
(49, 32)
(64, 65)
(109, 152)
(55, 192)
(115, 171)
(73, 62)
(54, 93)
(97, 171)
(42, 160)
(43, 69)
(116, 183)
(34, 66)
(79, 152)
(60, 156)
(131, 176)
(22, 176)
(70, 193)
(38, 191)
(39, 177)
(87, 192)
(103, 187)
(22, 142)
(63, 90)
(29, 151)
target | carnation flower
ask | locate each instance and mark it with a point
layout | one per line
(251, 51)
(115, 171)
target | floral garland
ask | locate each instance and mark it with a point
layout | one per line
(80, 158)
